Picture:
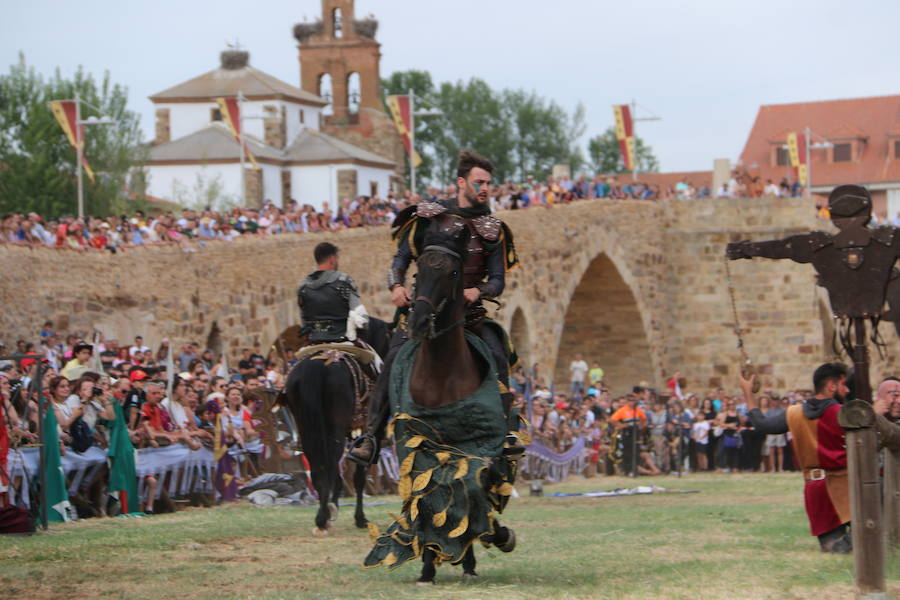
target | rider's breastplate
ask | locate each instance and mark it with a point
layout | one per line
(324, 312)
(475, 268)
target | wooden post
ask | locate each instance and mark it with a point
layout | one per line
(857, 419)
(892, 498)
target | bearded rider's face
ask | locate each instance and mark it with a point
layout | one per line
(476, 186)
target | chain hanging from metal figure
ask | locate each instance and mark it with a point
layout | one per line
(748, 370)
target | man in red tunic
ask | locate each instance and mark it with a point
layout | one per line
(818, 443)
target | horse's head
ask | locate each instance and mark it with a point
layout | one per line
(439, 279)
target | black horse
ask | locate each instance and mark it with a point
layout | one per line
(321, 395)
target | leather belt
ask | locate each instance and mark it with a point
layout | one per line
(818, 474)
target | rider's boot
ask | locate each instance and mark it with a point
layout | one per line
(363, 451)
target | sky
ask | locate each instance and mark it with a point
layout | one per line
(705, 66)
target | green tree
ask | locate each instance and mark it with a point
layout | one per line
(521, 132)
(605, 157)
(37, 163)
(545, 135)
(474, 117)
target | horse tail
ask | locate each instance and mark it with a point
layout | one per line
(316, 433)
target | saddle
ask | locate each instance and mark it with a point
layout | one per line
(362, 362)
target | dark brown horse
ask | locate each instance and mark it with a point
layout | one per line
(446, 368)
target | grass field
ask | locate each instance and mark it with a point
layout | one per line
(741, 536)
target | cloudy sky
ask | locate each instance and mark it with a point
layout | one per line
(704, 66)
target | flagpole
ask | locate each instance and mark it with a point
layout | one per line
(808, 190)
(412, 141)
(79, 153)
(634, 166)
(240, 99)
(170, 373)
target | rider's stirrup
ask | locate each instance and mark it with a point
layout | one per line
(357, 443)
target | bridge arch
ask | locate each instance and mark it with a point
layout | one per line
(520, 336)
(605, 321)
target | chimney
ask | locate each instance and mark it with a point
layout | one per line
(274, 126)
(163, 129)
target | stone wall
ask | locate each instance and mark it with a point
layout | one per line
(638, 286)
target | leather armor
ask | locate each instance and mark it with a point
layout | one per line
(324, 301)
(477, 267)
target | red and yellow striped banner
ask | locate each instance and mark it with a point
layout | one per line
(66, 113)
(399, 107)
(231, 114)
(797, 152)
(625, 135)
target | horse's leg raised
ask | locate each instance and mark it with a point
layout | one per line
(468, 564)
(503, 538)
(359, 483)
(428, 569)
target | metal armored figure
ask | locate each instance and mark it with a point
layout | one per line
(490, 254)
(330, 308)
(855, 265)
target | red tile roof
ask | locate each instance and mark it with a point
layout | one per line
(873, 122)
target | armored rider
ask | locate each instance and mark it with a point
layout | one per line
(490, 254)
(330, 308)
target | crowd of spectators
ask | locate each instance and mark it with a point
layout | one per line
(675, 432)
(82, 380)
(157, 226)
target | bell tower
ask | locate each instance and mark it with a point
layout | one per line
(339, 60)
(340, 52)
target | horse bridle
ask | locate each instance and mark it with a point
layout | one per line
(435, 310)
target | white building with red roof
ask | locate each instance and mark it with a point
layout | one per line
(194, 149)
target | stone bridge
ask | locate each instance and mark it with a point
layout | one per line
(636, 286)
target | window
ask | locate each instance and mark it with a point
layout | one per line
(843, 152)
(896, 149)
(325, 92)
(215, 114)
(301, 116)
(353, 93)
(337, 22)
(782, 156)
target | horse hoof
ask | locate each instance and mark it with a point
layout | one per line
(362, 524)
(332, 511)
(510, 544)
(470, 577)
(319, 532)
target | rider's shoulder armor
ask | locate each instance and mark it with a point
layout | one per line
(430, 209)
(819, 239)
(488, 227)
(884, 234)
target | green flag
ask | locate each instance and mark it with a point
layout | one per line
(57, 494)
(122, 474)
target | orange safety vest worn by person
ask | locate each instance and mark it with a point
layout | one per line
(627, 414)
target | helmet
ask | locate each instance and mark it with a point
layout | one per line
(849, 201)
